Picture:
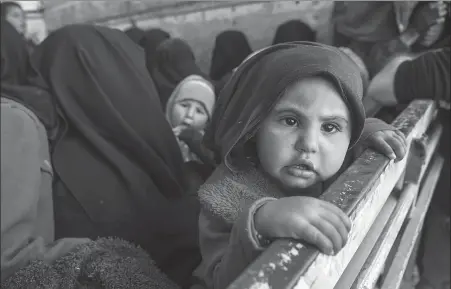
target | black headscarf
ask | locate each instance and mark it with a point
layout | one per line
(16, 75)
(174, 61)
(150, 41)
(294, 30)
(14, 55)
(231, 48)
(135, 34)
(116, 154)
(257, 85)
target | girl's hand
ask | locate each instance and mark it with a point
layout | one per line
(308, 219)
(391, 143)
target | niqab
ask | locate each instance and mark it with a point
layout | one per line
(174, 61)
(294, 30)
(116, 156)
(231, 48)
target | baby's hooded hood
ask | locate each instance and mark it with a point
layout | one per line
(260, 81)
(198, 89)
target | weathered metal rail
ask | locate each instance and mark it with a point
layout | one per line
(380, 197)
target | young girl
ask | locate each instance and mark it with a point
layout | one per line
(282, 127)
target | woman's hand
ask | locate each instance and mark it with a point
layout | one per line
(307, 219)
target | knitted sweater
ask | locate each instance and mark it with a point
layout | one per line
(102, 264)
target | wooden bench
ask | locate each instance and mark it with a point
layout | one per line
(386, 202)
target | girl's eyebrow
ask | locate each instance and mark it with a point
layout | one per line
(329, 117)
(334, 117)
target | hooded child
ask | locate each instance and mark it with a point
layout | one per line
(283, 127)
(189, 110)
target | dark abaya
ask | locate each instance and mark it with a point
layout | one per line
(117, 163)
(294, 30)
(231, 48)
(135, 34)
(14, 55)
(150, 41)
(174, 61)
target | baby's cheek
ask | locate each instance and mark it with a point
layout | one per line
(332, 162)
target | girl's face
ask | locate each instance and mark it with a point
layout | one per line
(305, 138)
(189, 113)
(16, 17)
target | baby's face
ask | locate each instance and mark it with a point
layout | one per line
(305, 138)
(189, 113)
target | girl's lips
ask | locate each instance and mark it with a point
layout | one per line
(300, 172)
(304, 164)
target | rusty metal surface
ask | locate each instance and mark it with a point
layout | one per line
(285, 261)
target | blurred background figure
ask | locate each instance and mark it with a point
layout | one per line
(378, 30)
(175, 60)
(230, 49)
(135, 34)
(13, 13)
(294, 30)
(14, 54)
(151, 39)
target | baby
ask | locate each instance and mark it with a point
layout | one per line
(188, 110)
(283, 127)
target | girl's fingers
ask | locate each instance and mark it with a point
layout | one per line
(330, 231)
(397, 146)
(339, 213)
(313, 236)
(401, 135)
(338, 224)
(384, 148)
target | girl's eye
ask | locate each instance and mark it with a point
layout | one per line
(200, 111)
(184, 104)
(290, 121)
(331, 128)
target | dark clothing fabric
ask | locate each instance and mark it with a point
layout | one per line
(174, 61)
(14, 55)
(371, 29)
(27, 220)
(102, 264)
(135, 34)
(231, 48)
(219, 84)
(150, 41)
(294, 30)
(366, 21)
(428, 76)
(118, 166)
(21, 82)
(257, 85)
